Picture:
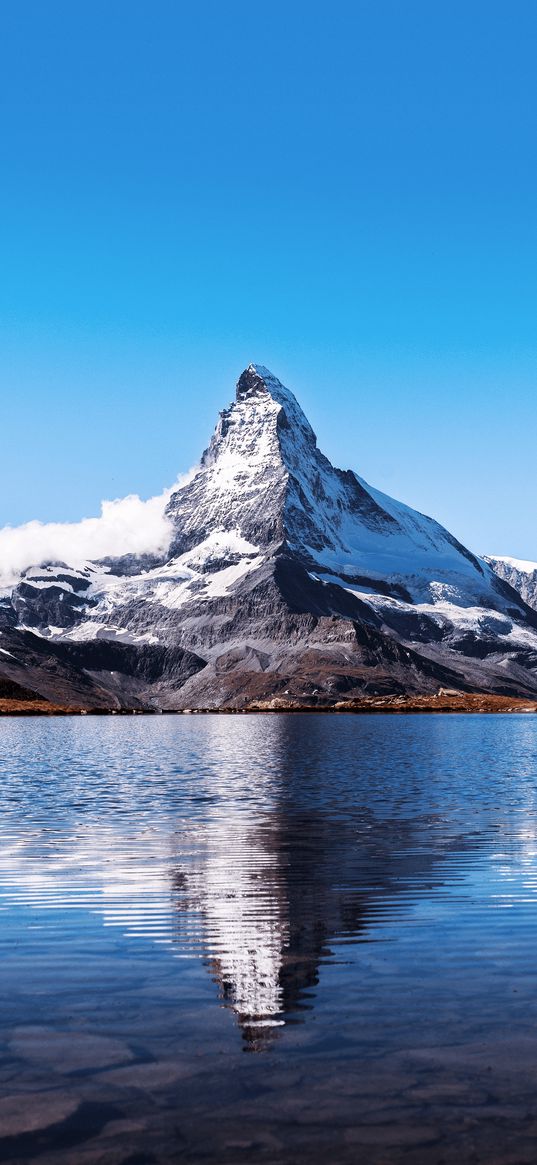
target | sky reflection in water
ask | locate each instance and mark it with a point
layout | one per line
(343, 890)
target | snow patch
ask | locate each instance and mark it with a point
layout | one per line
(520, 564)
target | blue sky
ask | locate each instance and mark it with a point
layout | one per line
(346, 193)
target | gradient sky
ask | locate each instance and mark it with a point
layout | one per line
(344, 192)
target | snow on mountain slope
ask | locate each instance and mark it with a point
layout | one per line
(264, 471)
(522, 565)
(520, 574)
(264, 486)
(285, 574)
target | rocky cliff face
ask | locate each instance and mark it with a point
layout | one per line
(285, 577)
(521, 575)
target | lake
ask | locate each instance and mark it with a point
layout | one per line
(286, 939)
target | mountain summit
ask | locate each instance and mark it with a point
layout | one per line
(285, 579)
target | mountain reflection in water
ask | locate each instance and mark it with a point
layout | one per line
(351, 898)
(253, 843)
(264, 893)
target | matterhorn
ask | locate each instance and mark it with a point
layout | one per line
(287, 582)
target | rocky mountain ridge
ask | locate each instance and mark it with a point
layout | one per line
(520, 574)
(285, 577)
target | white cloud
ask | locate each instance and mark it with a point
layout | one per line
(125, 526)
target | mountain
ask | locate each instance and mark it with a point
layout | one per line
(519, 574)
(286, 579)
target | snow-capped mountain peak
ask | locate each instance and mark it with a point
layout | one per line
(259, 382)
(256, 380)
(283, 574)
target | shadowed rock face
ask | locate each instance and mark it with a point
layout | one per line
(522, 576)
(284, 577)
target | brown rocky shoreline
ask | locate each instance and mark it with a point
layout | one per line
(22, 702)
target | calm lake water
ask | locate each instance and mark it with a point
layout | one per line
(268, 938)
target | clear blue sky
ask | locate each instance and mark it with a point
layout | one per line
(345, 192)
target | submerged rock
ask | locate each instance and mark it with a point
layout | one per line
(30, 1111)
(68, 1051)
